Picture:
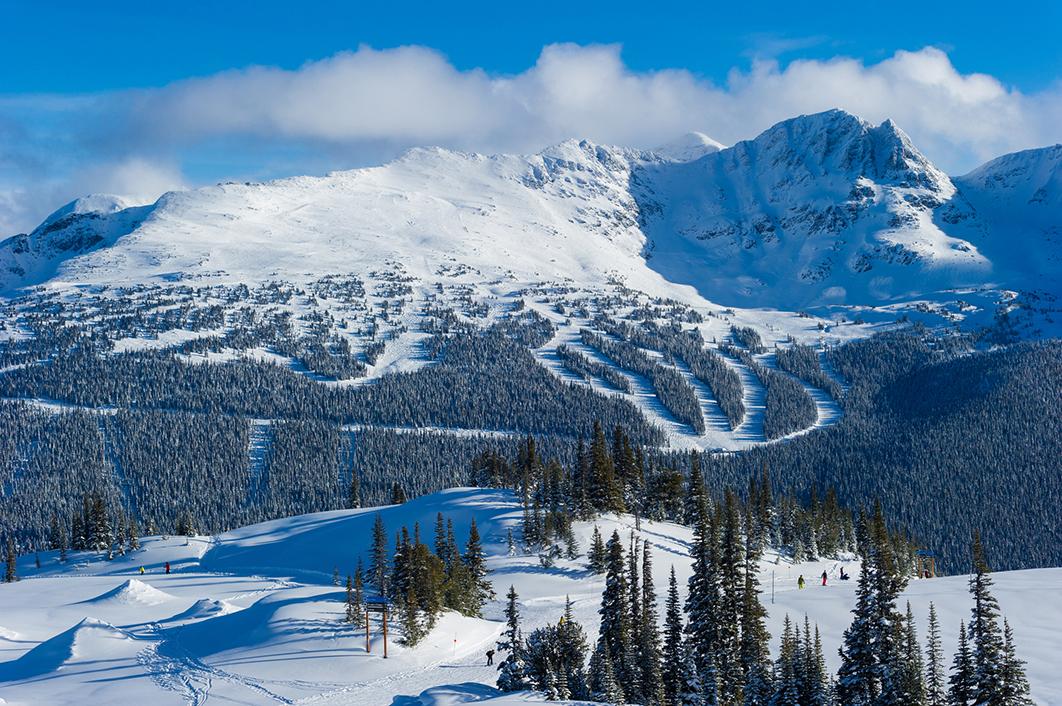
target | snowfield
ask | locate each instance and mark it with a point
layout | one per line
(251, 616)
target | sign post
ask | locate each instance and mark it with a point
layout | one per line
(381, 608)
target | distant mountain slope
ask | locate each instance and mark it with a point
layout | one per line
(819, 209)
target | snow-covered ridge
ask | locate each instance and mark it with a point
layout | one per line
(823, 208)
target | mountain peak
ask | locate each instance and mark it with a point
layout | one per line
(688, 147)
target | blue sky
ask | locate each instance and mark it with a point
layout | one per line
(80, 46)
(138, 98)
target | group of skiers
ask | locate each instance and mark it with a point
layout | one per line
(801, 583)
(144, 571)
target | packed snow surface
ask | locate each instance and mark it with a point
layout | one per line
(251, 616)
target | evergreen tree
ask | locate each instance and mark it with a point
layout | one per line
(872, 658)
(963, 681)
(480, 589)
(133, 533)
(605, 492)
(597, 555)
(354, 494)
(605, 686)
(755, 650)
(935, 678)
(512, 672)
(702, 607)
(674, 655)
(398, 494)
(787, 681)
(615, 633)
(352, 614)
(359, 589)
(634, 687)
(648, 646)
(378, 557)
(409, 617)
(913, 680)
(11, 567)
(1015, 683)
(731, 676)
(984, 632)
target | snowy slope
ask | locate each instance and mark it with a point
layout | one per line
(251, 616)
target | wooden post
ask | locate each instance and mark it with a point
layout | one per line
(368, 645)
(385, 629)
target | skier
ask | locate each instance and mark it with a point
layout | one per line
(490, 657)
(167, 567)
(141, 570)
(844, 576)
(800, 582)
(824, 577)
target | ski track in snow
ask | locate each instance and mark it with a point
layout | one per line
(754, 398)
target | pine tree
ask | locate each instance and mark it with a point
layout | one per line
(935, 679)
(1015, 683)
(648, 646)
(512, 672)
(787, 681)
(605, 686)
(615, 632)
(480, 589)
(134, 534)
(731, 676)
(354, 494)
(352, 615)
(359, 590)
(914, 688)
(674, 655)
(755, 650)
(597, 555)
(633, 686)
(872, 658)
(510, 543)
(984, 632)
(409, 616)
(605, 492)
(335, 575)
(571, 650)
(11, 566)
(696, 493)
(963, 680)
(702, 607)
(378, 557)
(398, 494)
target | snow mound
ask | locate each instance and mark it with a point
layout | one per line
(132, 592)
(91, 640)
(202, 609)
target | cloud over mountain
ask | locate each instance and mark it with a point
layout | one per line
(363, 106)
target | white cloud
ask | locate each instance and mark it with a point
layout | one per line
(372, 102)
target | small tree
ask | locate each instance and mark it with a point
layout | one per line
(935, 694)
(1015, 683)
(963, 682)
(512, 672)
(597, 554)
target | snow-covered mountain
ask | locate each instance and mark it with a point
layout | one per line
(819, 209)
